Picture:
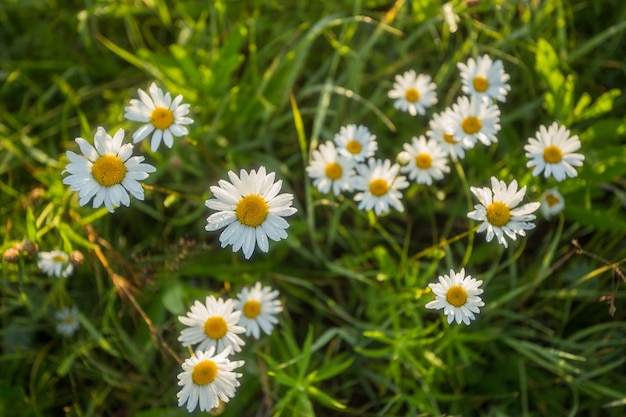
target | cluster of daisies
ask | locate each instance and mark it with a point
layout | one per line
(348, 164)
(208, 379)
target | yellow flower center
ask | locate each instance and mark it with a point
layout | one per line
(58, 258)
(552, 154)
(333, 171)
(251, 309)
(480, 84)
(456, 296)
(498, 214)
(471, 125)
(552, 200)
(204, 372)
(69, 320)
(252, 210)
(379, 187)
(215, 327)
(108, 170)
(162, 118)
(423, 161)
(411, 95)
(449, 137)
(354, 147)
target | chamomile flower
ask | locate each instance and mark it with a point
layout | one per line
(442, 130)
(499, 212)
(356, 142)
(413, 93)
(329, 170)
(379, 185)
(106, 173)
(250, 209)
(258, 306)
(67, 321)
(163, 117)
(552, 203)
(208, 379)
(212, 324)
(55, 263)
(553, 152)
(458, 296)
(428, 161)
(475, 119)
(484, 77)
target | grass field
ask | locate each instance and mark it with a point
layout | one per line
(267, 83)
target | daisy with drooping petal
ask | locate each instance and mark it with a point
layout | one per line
(484, 77)
(499, 213)
(413, 93)
(356, 142)
(250, 209)
(107, 172)
(458, 296)
(161, 115)
(258, 306)
(379, 185)
(208, 378)
(329, 170)
(55, 263)
(427, 161)
(553, 152)
(475, 119)
(67, 321)
(212, 324)
(442, 130)
(552, 203)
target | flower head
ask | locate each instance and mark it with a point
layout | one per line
(207, 379)
(499, 212)
(553, 152)
(67, 321)
(212, 324)
(552, 203)
(55, 263)
(428, 161)
(161, 115)
(475, 119)
(356, 142)
(250, 209)
(107, 172)
(329, 170)
(413, 93)
(484, 78)
(443, 131)
(458, 296)
(379, 185)
(258, 306)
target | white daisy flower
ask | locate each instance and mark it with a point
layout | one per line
(67, 321)
(258, 306)
(427, 161)
(475, 119)
(55, 263)
(250, 209)
(497, 210)
(329, 170)
(356, 142)
(553, 152)
(207, 380)
(443, 131)
(484, 78)
(552, 203)
(458, 296)
(161, 115)
(213, 324)
(107, 172)
(413, 93)
(380, 186)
